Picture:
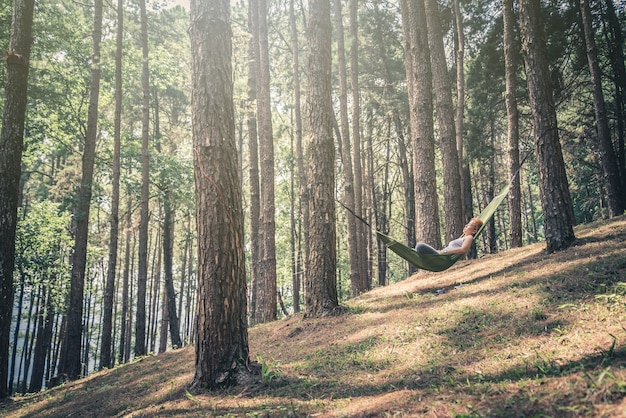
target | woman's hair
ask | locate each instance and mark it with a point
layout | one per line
(477, 222)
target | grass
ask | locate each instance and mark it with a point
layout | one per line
(516, 334)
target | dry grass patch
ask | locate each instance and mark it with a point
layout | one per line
(520, 333)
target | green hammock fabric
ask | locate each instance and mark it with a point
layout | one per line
(440, 262)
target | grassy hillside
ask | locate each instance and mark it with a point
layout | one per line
(515, 334)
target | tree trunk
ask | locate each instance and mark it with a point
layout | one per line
(267, 267)
(165, 322)
(154, 294)
(608, 161)
(107, 321)
(169, 315)
(189, 317)
(70, 362)
(44, 340)
(253, 155)
(467, 203)
(619, 70)
(22, 375)
(16, 333)
(303, 206)
(125, 315)
(293, 230)
(409, 185)
(487, 179)
(11, 144)
(88, 316)
(183, 274)
(421, 113)
(460, 100)
(321, 258)
(356, 141)
(404, 156)
(221, 323)
(510, 69)
(453, 208)
(168, 255)
(131, 290)
(556, 201)
(346, 157)
(378, 203)
(385, 203)
(142, 276)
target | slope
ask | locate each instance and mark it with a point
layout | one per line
(520, 333)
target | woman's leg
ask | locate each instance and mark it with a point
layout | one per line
(425, 249)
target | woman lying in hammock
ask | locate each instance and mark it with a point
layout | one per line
(457, 246)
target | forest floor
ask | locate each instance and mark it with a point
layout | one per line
(516, 334)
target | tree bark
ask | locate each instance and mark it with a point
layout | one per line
(361, 229)
(404, 156)
(125, 315)
(11, 144)
(107, 321)
(608, 160)
(70, 362)
(142, 274)
(16, 332)
(169, 314)
(419, 78)
(409, 185)
(321, 258)
(510, 70)
(452, 194)
(619, 70)
(221, 323)
(44, 340)
(357, 284)
(154, 305)
(303, 206)
(168, 256)
(267, 309)
(253, 156)
(460, 100)
(183, 275)
(556, 202)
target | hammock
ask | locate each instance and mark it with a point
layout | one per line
(440, 262)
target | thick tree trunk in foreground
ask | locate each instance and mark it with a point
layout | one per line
(452, 194)
(221, 323)
(321, 258)
(556, 202)
(419, 79)
(11, 144)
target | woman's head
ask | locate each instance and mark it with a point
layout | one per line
(472, 226)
